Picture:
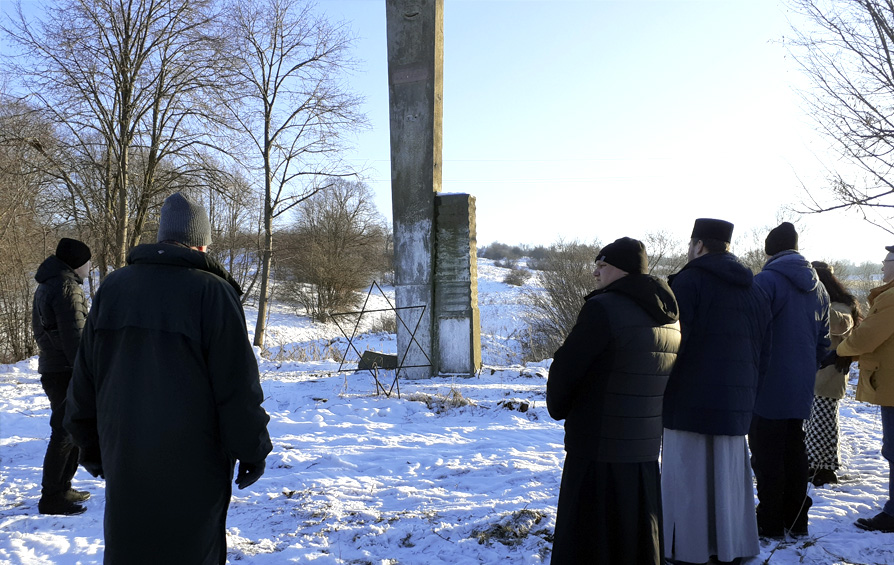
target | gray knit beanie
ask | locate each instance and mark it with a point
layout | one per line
(184, 221)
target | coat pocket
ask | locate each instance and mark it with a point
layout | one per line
(868, 369)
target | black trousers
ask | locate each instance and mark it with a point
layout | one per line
(61, 460)
(779, 461)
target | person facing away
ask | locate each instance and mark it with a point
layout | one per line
(166, 397)
(872, 344)
(800, 307)
(606, 381)
(706, 483)
(821, 430)
(58, 314)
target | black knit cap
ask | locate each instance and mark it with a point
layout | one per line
(781, 238)
(184, 221)
(72, 252)
(627, 254)
(709, 228)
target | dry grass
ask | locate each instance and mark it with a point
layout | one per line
(441, 403)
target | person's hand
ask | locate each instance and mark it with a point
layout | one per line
(829, 359)
(249, 473)
(843, 364)
(94, 468)
(91, 460)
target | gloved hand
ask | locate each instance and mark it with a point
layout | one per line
(94, 468)
(249, 473)
(843, 364)
(91, 460)
(829, 359)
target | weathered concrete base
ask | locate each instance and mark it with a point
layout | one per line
(417, 350)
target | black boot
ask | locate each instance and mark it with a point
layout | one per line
(59, 506)
(799, 525)
(881, 522)
(824, 477)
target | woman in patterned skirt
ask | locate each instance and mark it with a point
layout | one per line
(831, 382)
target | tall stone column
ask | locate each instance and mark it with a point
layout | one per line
(415, 35)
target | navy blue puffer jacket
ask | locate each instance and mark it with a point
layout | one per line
(725, 320)
(800, 306)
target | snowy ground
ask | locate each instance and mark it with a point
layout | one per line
(453, 471)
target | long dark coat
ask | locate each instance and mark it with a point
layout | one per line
(607, 382)
(166, 395)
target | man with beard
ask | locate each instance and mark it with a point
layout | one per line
(706, 484)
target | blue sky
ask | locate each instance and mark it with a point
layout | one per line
(596, 119)
(599, 119)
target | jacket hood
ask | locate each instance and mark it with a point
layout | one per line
(793, 266)
(724, 266)
(53, 266)
(652, 294)
(179, 256)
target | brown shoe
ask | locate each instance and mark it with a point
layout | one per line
(76, 495)
(881, 522)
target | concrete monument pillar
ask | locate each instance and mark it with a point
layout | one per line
(435, 261)
(415, 35)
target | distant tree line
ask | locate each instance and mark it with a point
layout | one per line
(565, 276)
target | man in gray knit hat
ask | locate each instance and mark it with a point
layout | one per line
(166, 391)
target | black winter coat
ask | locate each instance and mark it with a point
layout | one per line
(58, 314)
(166, 392)
(608, 378)
(725, 319)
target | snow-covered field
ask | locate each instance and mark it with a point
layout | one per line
(454, 471)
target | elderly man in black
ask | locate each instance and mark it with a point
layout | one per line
(607, 382)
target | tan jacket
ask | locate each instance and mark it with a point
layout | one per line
(830, 382)
(873, 342)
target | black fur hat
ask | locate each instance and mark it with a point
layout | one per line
(709, 228)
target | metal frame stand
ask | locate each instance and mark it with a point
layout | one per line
(400, 365)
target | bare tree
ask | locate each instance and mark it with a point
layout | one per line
(861, 279)
(25, 234)
(333, 251)
(125, 82)
(566, 276)
(845, 50)
(666, 254)
(233, 210)
(291, 105)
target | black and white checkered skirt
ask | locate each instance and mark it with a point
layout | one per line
(821, 434)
